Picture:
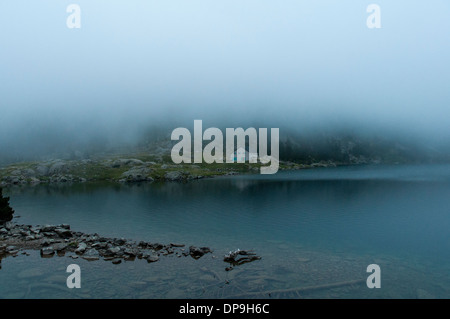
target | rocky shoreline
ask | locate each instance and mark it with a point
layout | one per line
(61, 241)
(127, 170)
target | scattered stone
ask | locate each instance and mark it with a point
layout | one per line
(63, 232)
(197, 252)
(152, 258)
(116, 261)
(239, 257)
(120, 241)
(91, 254)
(131, 252)
(48, 228)
(47, 252)
(138, 174)
(113, 251)
(47, 242)
(54, 239)
(58, 168)
(81, 248)
(42, 170)
(59, 246)
(174, 176)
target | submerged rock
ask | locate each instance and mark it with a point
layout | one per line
(197, 252)
(91, 254)
(239, 257)
(47, 252)
(152, 258)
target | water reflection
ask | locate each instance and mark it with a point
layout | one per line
(311, 228)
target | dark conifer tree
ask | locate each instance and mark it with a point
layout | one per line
(6, 212)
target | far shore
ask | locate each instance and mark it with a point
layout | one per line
(134, 169)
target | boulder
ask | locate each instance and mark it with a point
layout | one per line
(81, 248)
(91, 254)
(174, 176)
(63, 232)
(152, 258)
(197, 252)
(28, 172)
(126, 161)
(58, 168)
(47, 252)
(138, 174)
(42, 170)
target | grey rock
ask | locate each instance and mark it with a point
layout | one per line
(34, 180)
(28, 172)
(91, 254)
(58, 168)
(126, 161)
(152, 258)
(47, 241)
(176, 245)
(197, 252)
(47, 252)
(25, 233)
(116, 261)
(10, 248)
(16, 172)
(48, 228)
(63, 232)
(113, 251)
(120, 241)
(131, 251)
(81, 248)
(174, 176)
(42, 170)
(48, 234)
(138, 174)
(101, 245)
(59, 246)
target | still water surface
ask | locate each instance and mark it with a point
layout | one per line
(312, 228)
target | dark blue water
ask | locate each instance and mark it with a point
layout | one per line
(311, 227)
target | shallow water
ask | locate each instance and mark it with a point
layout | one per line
(312, 228)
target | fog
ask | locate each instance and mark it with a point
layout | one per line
(137, 67)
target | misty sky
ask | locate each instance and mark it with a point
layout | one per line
(136, 63)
